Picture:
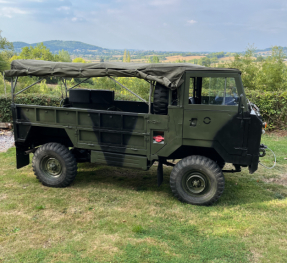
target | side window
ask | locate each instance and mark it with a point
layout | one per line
(219, 91)
(191, 99)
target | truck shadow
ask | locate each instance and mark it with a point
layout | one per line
(238, 190)
(124, 178)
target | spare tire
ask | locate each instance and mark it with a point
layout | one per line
(160, 99)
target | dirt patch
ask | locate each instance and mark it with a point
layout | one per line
(282, 180)
(279, 133)
(187, 58)
(6, 140)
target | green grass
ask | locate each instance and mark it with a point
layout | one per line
(120, 215)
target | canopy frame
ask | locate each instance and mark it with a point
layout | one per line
(79, 83)
(169, 74)
(128, 89)
(64, 81)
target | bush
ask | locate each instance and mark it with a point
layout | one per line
(39, 99)
(33, 99)
(272, 105)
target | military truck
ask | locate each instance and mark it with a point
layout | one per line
(196, 114)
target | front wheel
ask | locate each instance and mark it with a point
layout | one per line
(54, 165)
(197, 180)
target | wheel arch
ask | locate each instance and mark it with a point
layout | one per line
(185, 151)
(41, 135)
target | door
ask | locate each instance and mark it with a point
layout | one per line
(211, 112)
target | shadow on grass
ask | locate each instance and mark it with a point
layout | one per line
(124, 178)
(239, 189)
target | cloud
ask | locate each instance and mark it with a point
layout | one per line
(191, 22)
(11, 11)
(151, 24)
(113, 11)
(63, 8)
(163, 2)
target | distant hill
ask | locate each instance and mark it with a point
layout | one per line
(270, 49)
(73, 47)
(77, 48)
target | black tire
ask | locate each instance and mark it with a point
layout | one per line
(197, 180)
(160, 100)
(54, 165)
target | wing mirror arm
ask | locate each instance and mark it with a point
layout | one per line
(240, 104)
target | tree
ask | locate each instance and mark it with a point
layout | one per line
(247, 66)
(6, 48)
(40, 52)
(260, 58)
(155, 59)
(4, 43)
(125, 56)
(63, 56)
(268, 74)
(79, 60)
(128, 57)
(205, 61)
(272, 75)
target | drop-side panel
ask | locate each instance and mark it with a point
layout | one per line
(66, 117)
(26, 114)
(121, 160)
(45, 115)
(120, 132)
(112, 129)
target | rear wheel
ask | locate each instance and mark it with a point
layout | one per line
(197, 180)
(54, 165)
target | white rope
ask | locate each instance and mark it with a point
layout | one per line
(274, 161)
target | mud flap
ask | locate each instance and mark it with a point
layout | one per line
(254, 165)
(22, 158)
(159, 173)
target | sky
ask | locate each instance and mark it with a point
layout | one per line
(161, 25)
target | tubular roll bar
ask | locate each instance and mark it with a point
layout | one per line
(152, 83)
(78, 84)
(28, 87)
(128, 89)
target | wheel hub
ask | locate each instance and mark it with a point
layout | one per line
(195, 183)
(52, 166)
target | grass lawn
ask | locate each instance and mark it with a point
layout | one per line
(120, 215)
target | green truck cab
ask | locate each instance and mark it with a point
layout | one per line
(196, 114)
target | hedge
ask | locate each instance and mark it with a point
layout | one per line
(38, 99)
(272, 105)
(34, 99)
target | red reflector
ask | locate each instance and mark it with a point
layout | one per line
(158, 138)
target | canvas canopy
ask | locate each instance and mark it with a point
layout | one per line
(168, 75)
